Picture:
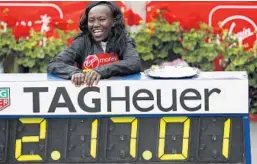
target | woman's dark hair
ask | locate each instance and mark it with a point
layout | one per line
(118, 36)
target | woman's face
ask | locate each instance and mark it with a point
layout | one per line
(100, 22)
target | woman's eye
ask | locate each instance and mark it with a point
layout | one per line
(102, 19)
(91, 21)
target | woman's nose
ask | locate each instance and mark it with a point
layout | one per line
(96, 23)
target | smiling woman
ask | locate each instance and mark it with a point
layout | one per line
(100, 22)
(103, 38)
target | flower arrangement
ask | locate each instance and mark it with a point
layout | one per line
(28, 49)
(33, 51)
(199, 46)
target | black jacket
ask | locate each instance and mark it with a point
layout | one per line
(63, 65)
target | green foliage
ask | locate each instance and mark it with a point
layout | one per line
(33, 52)
(199, 47)
(6, 40)
(155, 39)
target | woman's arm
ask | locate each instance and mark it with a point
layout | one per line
(130, 64)
(63, 65)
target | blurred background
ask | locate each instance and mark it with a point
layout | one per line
(214, 36)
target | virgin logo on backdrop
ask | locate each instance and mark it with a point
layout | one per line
(238, 19)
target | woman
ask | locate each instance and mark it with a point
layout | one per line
(102, 50)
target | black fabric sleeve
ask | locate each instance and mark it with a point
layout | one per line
(63, 65)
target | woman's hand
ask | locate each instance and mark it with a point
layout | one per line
(92, 77)
(78, 79)
(88, 78)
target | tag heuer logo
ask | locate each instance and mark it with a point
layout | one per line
(4, 98)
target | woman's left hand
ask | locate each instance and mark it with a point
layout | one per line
(92, 77)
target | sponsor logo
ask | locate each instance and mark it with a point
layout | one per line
(4, 98)
(239, 20)
(91, 62)
(94, 61)
(133, 99)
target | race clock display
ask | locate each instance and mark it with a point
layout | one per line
(165, 139)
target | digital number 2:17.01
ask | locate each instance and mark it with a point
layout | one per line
(19, 156)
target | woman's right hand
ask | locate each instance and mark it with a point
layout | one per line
(78, 79)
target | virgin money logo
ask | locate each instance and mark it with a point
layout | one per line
(91, 62)
(238, 19)
(94, 61)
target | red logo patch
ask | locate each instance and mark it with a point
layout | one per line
(94, 61)
(239, 20)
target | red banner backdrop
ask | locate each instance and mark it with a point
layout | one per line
(47, 13)
(239, 17)
(45, 16)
